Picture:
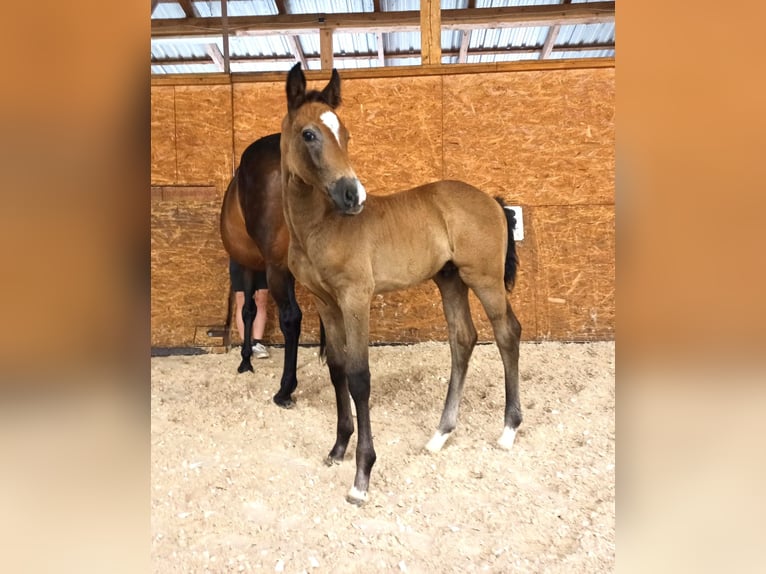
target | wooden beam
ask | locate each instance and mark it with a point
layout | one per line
(387, 72)
(292, 40)
(215, 54)
(372, 22)
(374, 55)
(550, 39)
(296, 50)
(430, 33)
(188, 8)
(225, 31)
(465, 40)
(537, 15)
(325, 48)
(381, 49)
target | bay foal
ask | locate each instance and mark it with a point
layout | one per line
(346, 246)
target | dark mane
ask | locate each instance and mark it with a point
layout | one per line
(317, 96)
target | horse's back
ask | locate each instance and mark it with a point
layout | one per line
(434, 224)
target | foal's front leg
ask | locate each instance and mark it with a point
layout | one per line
(356, 319)
(336, 363)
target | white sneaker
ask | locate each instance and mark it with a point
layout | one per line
(260, 351)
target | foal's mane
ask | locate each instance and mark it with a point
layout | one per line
(317, 96)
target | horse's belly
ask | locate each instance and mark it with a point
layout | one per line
(404, 275)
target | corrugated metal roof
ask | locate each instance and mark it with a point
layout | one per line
(359, 50)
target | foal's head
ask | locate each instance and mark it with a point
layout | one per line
(315, 142)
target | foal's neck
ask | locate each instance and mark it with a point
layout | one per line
(305, 206)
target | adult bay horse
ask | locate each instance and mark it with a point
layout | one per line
(254, 234)
(346, 246)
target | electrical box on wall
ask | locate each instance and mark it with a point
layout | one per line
(518, 233)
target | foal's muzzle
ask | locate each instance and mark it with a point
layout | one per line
(348, 195)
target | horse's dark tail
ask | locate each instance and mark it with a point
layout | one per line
(511, 258)
(322, 343)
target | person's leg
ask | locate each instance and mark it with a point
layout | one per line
(259, 325)
(239, 299)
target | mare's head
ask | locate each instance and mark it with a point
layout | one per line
(315, 142)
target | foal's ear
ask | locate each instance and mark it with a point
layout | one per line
(331, 92)
(296, 87)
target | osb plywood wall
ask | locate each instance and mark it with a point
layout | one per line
(540, 139)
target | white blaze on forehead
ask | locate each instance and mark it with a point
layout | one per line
(331, 121)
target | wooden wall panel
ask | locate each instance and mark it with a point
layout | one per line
(544, 140)
(575, 284)
(190, 280)
(163, 135)
(539, 138)
(258, 112)
(395, 128)
(204, 134)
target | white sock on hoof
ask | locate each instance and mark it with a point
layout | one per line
(437, 441)
(357, 494)
(506, 439)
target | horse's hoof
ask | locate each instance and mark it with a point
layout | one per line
(287, 403)
(332, 461)
(437, 441)
(356, 497)
(245, 366)
(506, 439)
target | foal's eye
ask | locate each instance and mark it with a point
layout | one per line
(309, 136)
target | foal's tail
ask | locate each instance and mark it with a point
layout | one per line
(511, 258)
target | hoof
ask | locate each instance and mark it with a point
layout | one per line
(506, 439)
(331, 461)
(356, 497)
(437, 441)
(287, 403)
(245, 366)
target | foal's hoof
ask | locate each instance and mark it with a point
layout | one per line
(244, 366)
(437, 441)
(506, 439)
(287, 403)
(356, 497)
(332, 461)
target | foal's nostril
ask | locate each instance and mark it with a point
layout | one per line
(350, 197)
(345, 194)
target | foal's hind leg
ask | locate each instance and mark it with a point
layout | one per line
(282, 288)
(507, 331)
(462, 339)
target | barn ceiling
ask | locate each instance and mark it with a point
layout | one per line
(191, 37)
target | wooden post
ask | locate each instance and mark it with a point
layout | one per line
(430, 33)
(225, 24)
(325, 47)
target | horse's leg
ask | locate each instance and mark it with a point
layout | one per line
(507, 331)
(248, 316)
(356, 319)
(462, 339)
(335, 337)
(282, 288)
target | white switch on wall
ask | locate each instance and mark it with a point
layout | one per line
(518, 233)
